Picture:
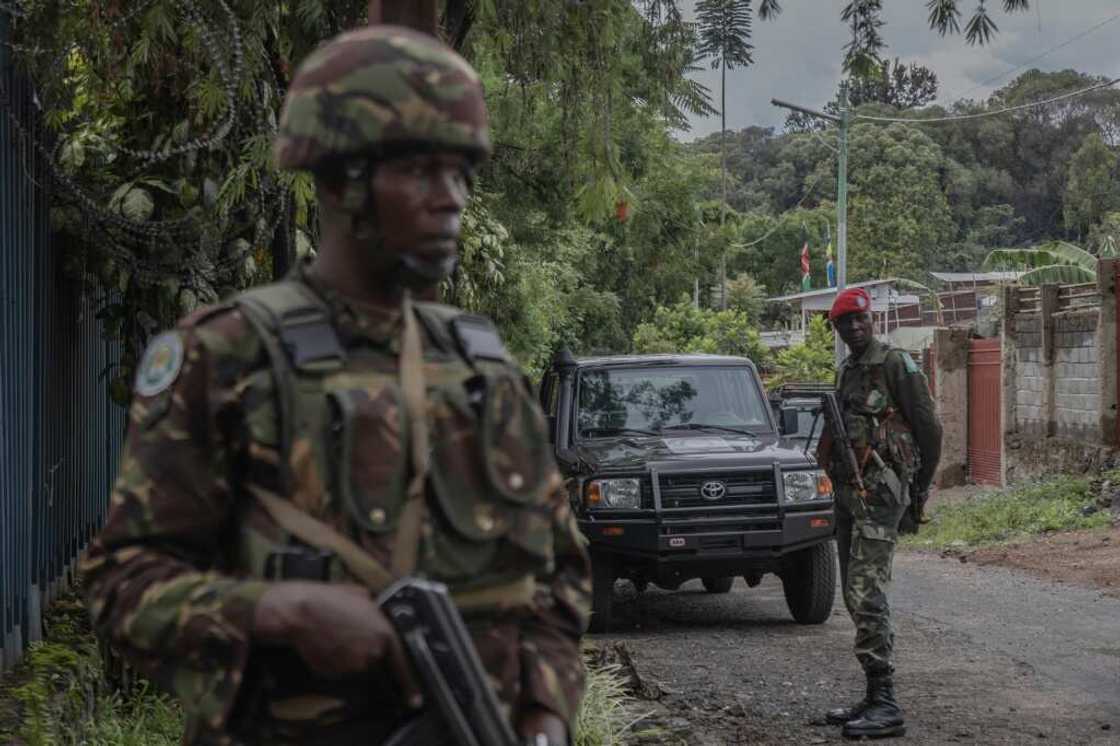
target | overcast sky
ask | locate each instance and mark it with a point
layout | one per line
(798, 55)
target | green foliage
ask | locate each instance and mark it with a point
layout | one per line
(930, 198)
(813, 360)
(770, 248)
(1091, 191)
(683, 328)
(1056, 262)
(745, 294)
(725, 32)
(1054, 504)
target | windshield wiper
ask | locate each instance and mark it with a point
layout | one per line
(617, 431)
(702, 426)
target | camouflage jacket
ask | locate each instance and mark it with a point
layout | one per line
(886, 404)
(185, 552)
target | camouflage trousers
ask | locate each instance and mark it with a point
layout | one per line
(866, 534)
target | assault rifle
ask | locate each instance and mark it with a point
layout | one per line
(836, 435)
(463, 709)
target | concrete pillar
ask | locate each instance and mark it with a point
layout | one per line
(950, 365)
(1107, 350)
(1009, 356)
(1049, 305)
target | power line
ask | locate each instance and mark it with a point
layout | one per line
(1036, 58)
(778, 223)
(984, 114)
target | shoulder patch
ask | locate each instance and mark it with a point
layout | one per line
(908, 361)
(160, 365)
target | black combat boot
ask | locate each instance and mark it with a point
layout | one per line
(882, 717)
(841, 715)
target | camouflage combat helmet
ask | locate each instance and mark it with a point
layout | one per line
(378, 90)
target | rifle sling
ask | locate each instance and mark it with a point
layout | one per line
(314, 532)
(514, 593)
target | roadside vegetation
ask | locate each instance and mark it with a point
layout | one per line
(1060, 503)
(59, 697)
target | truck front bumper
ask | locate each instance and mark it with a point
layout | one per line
(692, 539)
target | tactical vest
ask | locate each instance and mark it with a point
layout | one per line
(341, 425)
(873, 419)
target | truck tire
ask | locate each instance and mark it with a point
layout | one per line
(718, 584)
(809, 582)
(602, 591)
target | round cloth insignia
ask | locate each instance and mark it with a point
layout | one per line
(160, 365)
(860, 302)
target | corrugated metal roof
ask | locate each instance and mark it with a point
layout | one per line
(832, 291)
(977, 276)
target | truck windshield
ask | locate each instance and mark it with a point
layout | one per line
(614, 401)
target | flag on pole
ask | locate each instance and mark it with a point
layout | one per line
(806, 280)
(830, 268)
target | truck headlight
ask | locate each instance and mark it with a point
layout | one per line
(614, 493)
(805, 486)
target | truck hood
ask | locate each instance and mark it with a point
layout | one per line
(688, 449)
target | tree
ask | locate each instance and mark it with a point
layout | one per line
(683, 328)
(746, 295)
(899, 216)
(862, 54)
(1056, 262)
(725, 32)
(894, 84)
(1091, 191)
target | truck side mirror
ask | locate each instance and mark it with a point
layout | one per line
(789, 422)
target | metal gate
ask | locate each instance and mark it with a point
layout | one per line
(985, 430)
(60, 436)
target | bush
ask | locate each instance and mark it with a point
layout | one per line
(812, 360)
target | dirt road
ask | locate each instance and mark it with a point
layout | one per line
(985, 656)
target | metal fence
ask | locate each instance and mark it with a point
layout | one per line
(60, 435)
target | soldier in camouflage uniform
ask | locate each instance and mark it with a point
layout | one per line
(295, 449)
(890, 420)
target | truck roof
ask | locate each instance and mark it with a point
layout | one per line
(659, 360)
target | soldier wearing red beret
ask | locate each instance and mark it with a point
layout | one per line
(890, 420)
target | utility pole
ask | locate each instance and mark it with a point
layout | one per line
(843, 122)
(422, 15)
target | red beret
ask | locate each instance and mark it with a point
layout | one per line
(852, 300)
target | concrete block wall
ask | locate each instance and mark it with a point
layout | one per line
(1077, 397)
(1030, 380)
(1059, 378)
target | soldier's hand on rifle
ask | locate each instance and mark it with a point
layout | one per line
(538, 722)
(337, 629)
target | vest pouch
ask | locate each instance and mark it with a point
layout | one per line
(518, 452)
(368, 433)
(489, 454)
(458, 472)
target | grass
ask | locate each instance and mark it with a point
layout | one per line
(605, 717)
(1055, 504)
(58, 697)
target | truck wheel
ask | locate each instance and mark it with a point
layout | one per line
(602, 591)
(718, 584)
(809, 582)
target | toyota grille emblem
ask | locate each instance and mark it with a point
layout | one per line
(713, 490)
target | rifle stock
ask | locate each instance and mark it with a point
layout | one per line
(463, 709)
